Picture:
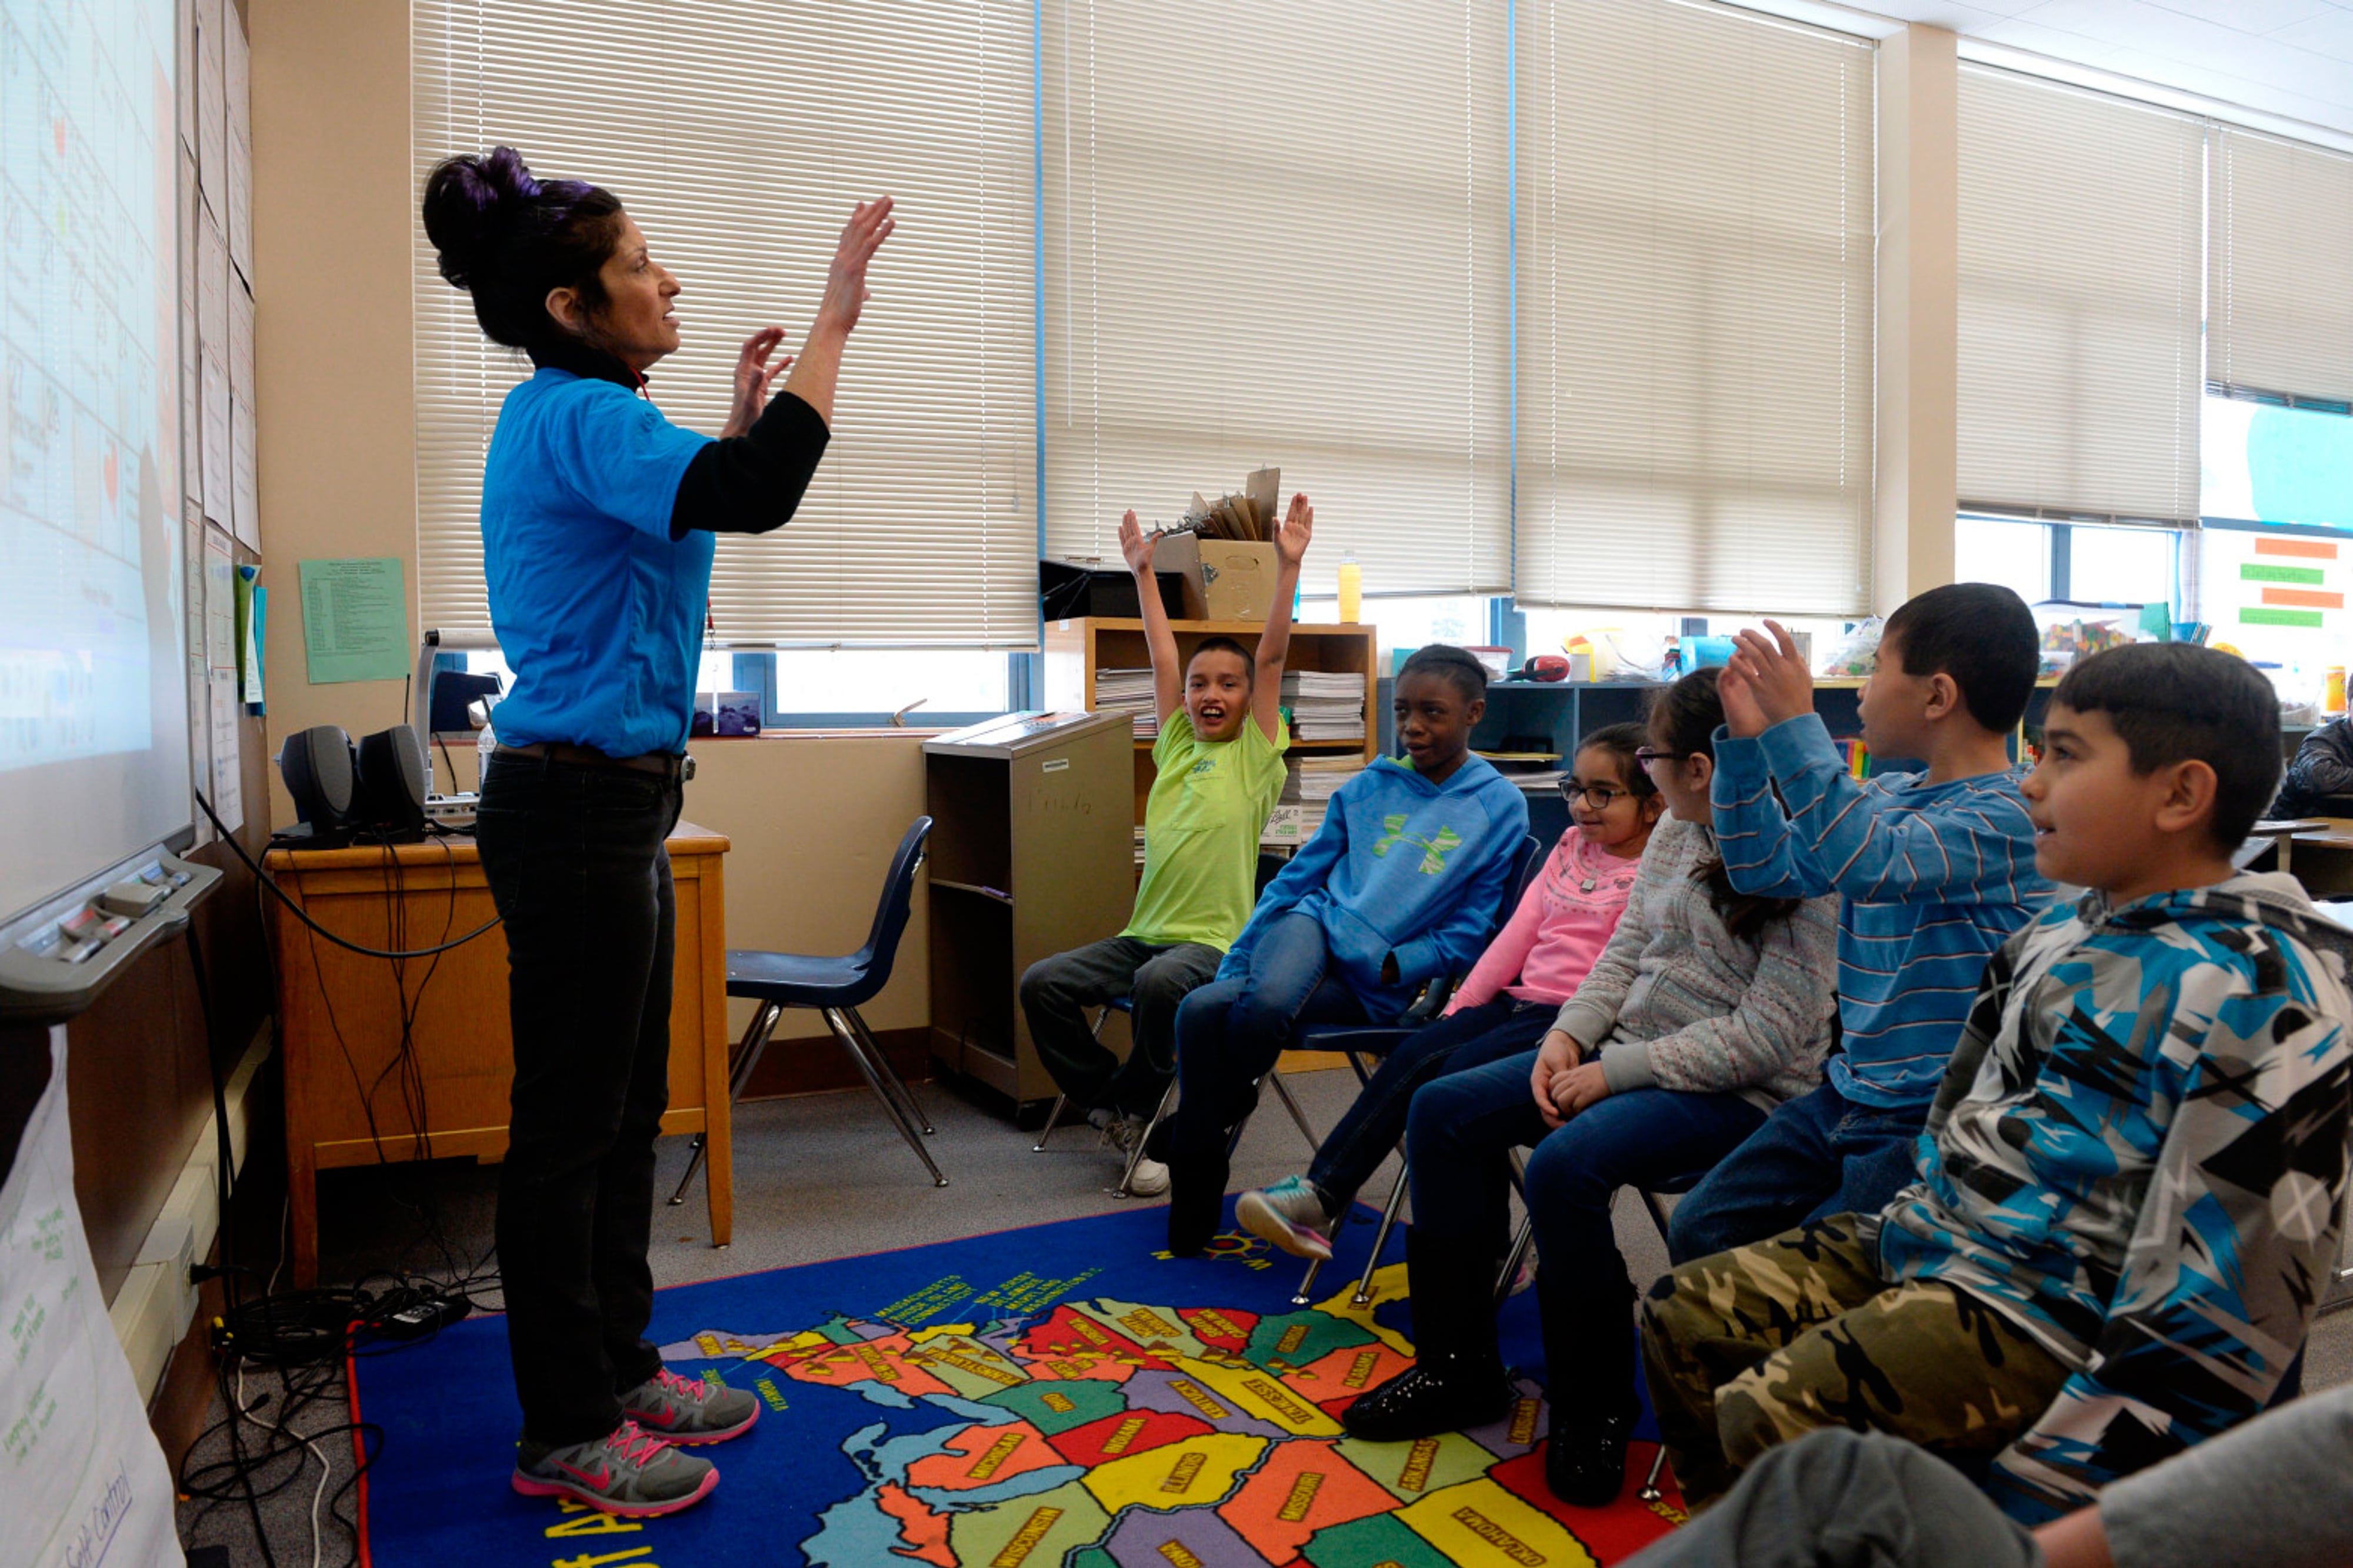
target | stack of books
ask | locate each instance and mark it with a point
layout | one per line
(1857, 757)
(1307, 791)
(1128, 692)
(1324, 706)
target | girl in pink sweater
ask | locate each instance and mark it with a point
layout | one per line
(1508, 1000)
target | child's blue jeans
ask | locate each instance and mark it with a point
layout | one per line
(1230, 1033)
(1375, 1123)
(1817, 1155)
(1462, 1127)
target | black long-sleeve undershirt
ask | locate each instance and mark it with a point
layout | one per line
(753, 482)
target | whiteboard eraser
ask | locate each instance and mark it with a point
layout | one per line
(132, 897)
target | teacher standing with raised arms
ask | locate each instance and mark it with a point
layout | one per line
(598, 518)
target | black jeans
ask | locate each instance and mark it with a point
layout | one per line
(1055, 993)
(1374, 1124)
(575, 860)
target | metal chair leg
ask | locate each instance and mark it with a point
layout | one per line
(1650, 1490)
(1053, 1119)
(1364, 1296)
(1305, 1295)
(889, 1074)
(1307, 1130)
(849, 1042)
(1126, 1188)
(743, 1058)
(1521, 1239)
(1658, 1214)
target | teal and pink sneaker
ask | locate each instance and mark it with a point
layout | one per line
(1290, 1215)
(627, 1472)
(687, 1411)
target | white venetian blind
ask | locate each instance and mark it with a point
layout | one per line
(2280, 297)
(739, 134)
(2080, 225)
(1697, 211)
(1276, 233)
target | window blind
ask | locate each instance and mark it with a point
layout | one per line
(1696, 206)
(2080, 228)
(739, 134)
(2279, 294)
(1276, 233)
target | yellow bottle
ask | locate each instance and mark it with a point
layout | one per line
(1352, 588)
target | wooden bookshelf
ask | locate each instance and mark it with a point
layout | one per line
(1076, 649)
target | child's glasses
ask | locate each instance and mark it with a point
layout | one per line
(1646, 755)
(1598, 796)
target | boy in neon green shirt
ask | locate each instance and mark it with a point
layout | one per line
(1219, 761)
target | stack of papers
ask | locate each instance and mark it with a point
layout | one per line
(1325, 707)
(1139, 847)
(1309, 784)
(1128, 692)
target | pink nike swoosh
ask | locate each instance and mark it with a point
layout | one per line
(662, 1417)
(599, 1477)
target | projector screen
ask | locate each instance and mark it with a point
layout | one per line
(93, 674)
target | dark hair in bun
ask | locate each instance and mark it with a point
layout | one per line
(507, 238)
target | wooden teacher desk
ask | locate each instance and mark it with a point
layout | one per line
(340, 1015)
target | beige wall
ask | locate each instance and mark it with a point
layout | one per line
(814, 822)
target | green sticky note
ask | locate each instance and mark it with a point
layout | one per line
(2259, 616)
(355, 620)
(2263, 572)
(2157, 620)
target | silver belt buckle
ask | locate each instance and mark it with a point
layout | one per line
(685, 766)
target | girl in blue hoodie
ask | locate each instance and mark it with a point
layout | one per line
(1404, 883)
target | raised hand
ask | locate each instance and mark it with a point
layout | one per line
(1742, 715)
(845, 280)
(1136, 545)
(1775, 674)
(754, 378)
(1291, 539)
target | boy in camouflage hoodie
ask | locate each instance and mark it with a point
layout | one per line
(2131, 1179)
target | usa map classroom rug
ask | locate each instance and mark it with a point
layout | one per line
(1062, 1396)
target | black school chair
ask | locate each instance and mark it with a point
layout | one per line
(1359, 1041)
(835, 987)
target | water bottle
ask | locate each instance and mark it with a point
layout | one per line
(1352, 588)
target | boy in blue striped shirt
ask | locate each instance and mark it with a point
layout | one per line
(1937, 871)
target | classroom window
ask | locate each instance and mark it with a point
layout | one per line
(2120, 565)
(920, 528)
(2013, 552)
(1279, 234)
(1410, 620)
(2077, 311)
(1696, 215)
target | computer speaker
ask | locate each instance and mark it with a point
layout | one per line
(389, 801)
(321, 773)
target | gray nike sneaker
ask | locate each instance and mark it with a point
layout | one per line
(687, 1411)
(627, 1472)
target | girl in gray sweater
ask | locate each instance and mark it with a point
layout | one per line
(1707, 1009)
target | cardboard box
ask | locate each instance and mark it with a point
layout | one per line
(1224, 580)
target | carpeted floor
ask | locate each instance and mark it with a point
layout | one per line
(818, 1177)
